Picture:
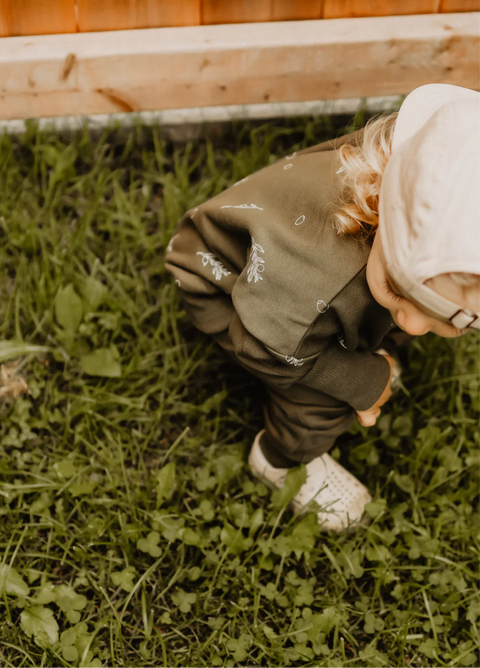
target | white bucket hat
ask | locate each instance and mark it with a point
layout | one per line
(429, 206)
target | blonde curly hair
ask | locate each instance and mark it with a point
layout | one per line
(363, 166)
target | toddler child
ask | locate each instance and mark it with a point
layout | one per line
(304, 270)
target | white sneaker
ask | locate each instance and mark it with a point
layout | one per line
(341, 498)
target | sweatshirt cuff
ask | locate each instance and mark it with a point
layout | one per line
(358, 378)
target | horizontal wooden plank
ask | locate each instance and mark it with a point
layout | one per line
(241, 11)
(339, 9)
(246, 11)
(289, 10)
(93, 15)
(36, 17)
(169, 68)
(460, 6)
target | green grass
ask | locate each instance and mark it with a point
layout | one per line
(131, 531)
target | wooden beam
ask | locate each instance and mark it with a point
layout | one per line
(171, 68)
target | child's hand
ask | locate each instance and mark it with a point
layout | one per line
(369, 417)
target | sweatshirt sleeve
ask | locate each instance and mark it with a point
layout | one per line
(205, 270)
(356, 377)
(347, 366)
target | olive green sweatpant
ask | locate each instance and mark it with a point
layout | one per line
(301, 423)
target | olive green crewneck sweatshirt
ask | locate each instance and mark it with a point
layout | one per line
(263, 262)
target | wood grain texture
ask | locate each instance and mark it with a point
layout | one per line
(235, 11)
(253, 11)
(36, 17)
(95, 15)
(460, 6)
(339, 9)
(291, 10)
(292, 61)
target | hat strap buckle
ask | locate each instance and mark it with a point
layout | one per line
(464, 319)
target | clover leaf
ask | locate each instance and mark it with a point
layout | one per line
(150, 544)
(124, 579)
(184, 600)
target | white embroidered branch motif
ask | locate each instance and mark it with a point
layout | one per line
(293, 360)
(218, 270)
(258, 263)
(242, 206)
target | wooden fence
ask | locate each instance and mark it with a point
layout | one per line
(154, 55)
(40, 17)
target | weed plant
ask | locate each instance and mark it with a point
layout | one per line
(132, 533)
